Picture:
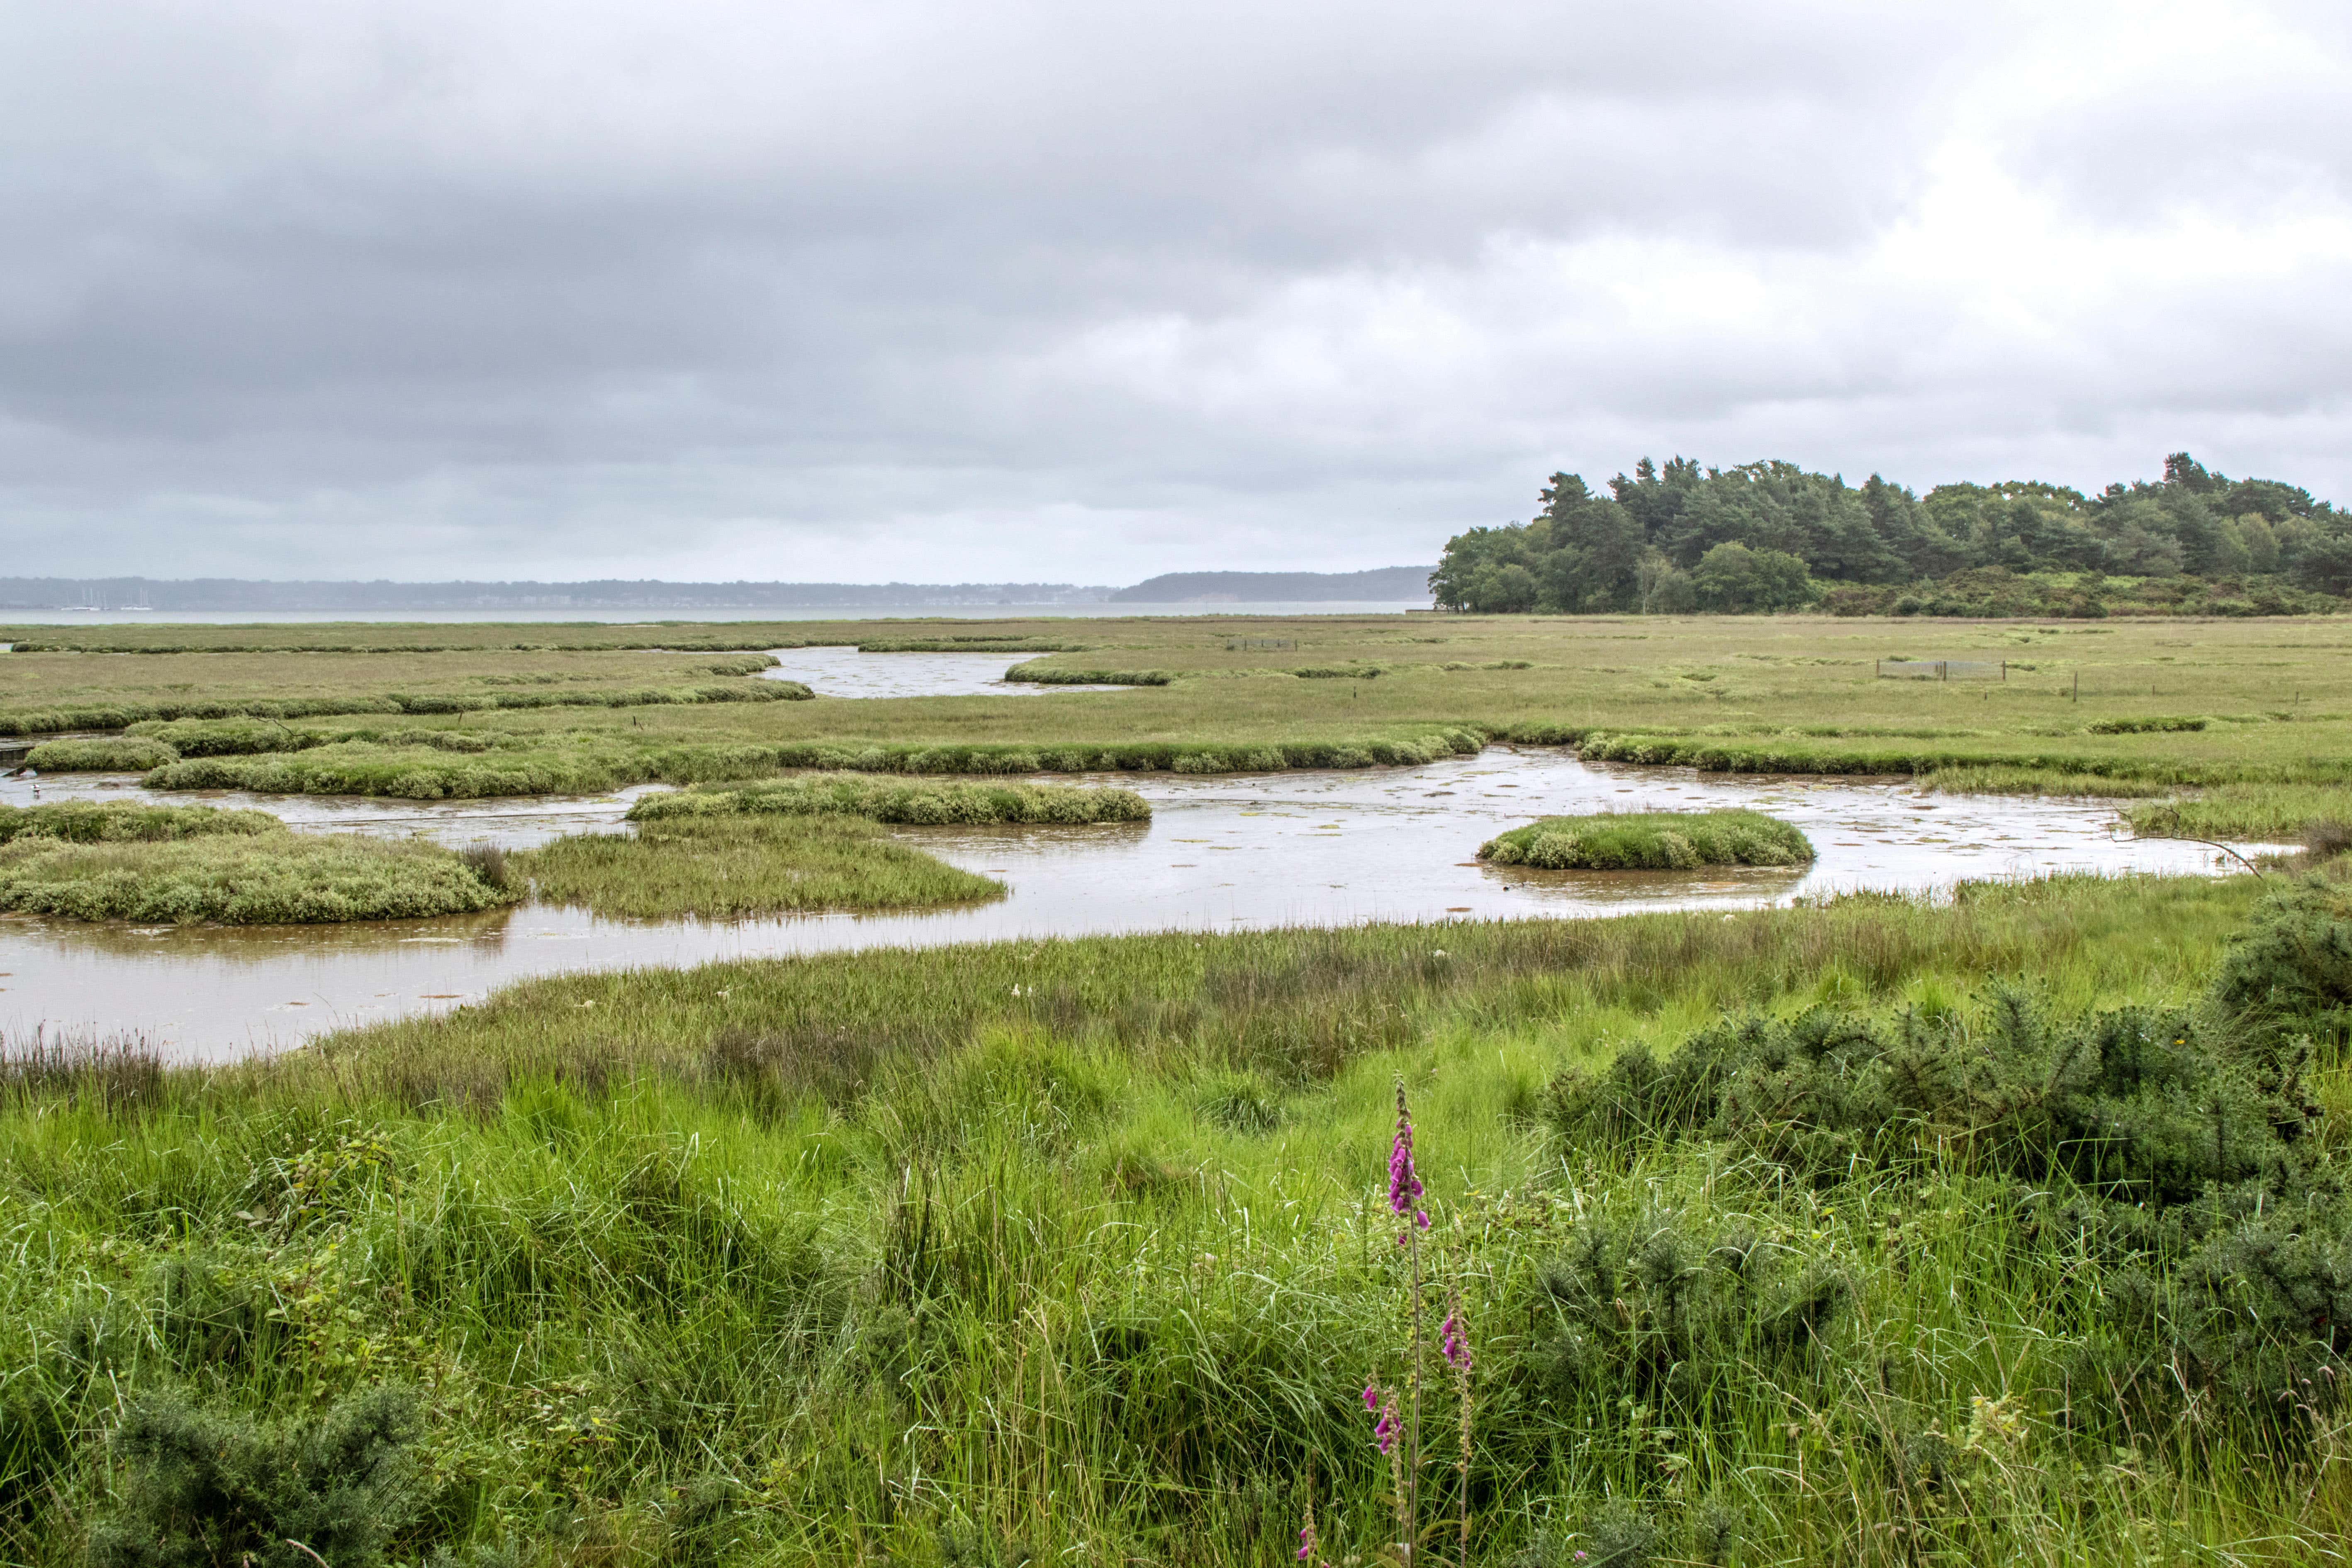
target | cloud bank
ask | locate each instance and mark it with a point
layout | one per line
(917, 290)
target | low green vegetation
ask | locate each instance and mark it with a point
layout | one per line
(718, 867)
(1869, 1231)
(1650, 841)
(1056, 675)
(2270, 814)
(237, 878)
(47, 692)
(128, 822)
(896, 800)
(107, 755)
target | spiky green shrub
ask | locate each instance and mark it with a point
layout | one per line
(2152, 1105)
(895, 800)
(2290, 971)
(204, 1488)
(1650, 841)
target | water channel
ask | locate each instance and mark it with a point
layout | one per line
(1227, 853)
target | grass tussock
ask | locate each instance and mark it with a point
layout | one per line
(107, 755)
(895, 800)
(237, 879)
(719, 866)
(2003, 780)
(1650, 841)
(1040, 674)
(128, 822)
(2265, 812)
(1777, 1240)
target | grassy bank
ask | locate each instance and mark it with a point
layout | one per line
(237, 879)
(724, 866)
(128, 822)
(110, 754)
(1083, 1250)
(1650, 841)
(895, 800)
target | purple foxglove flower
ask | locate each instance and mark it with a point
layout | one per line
(1372, 1396)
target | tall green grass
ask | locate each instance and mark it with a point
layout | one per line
(1081, 1251)
(1650, 841)
(717, 867)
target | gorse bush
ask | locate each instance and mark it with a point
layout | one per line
(2290, 972)
(204, 1489)
(1651, 841)
(2150, 1106)
(890, 800)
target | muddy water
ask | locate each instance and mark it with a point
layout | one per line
(845, 672)
(1224, 854)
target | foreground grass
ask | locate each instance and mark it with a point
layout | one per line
(271, 879)
(1650, 841)
(719, 867)
(1081, 1251)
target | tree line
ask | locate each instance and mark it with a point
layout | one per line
(1771, 536)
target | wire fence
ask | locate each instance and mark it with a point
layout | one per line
(1942, 669)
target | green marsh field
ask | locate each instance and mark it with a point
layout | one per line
(2011, 1225)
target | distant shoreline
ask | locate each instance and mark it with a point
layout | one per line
(10, 616)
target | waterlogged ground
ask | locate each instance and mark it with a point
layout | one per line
(1223, 853)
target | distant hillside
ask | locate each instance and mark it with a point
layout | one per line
(1385, 584)
(234, 593)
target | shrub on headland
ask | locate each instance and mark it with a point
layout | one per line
(1650, 841)
(891, 800)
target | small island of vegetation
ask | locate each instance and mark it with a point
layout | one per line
(1650, 841)
(184, 865)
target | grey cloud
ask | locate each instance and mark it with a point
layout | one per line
(536, 289)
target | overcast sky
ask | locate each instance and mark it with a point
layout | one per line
(1084, 291)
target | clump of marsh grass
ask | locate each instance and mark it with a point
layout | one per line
(266, 878)
(1650, 841)
(719, 867)
(109, 754)
(125, 822)
(894, 800)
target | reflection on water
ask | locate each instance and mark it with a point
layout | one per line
(1221, 853)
